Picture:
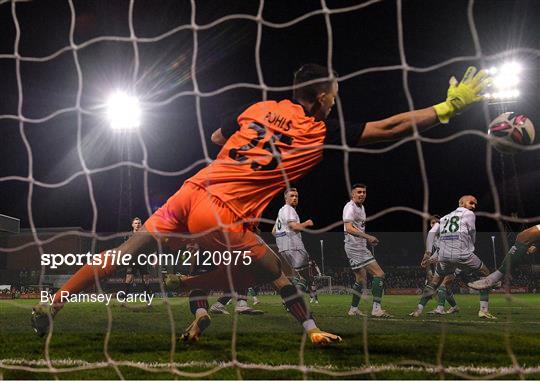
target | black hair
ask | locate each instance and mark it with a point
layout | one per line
(310, 72)
(358, 185)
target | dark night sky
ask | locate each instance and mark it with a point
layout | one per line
(434, 31)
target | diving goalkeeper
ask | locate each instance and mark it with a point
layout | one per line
(272, 144)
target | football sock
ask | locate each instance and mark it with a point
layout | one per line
(513, 257)
(427, 293)
(357, 294)
(197, 300)
(450, 297)
(300, 283)
(441, 294)
(224, 299)
(484, 300)
(295, 303)
(377, 288)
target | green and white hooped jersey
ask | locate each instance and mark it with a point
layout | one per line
(287, 238)
(357, 216)
(457, 233)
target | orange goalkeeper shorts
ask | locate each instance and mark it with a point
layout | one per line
(193, 215)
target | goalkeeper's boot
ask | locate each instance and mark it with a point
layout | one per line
(255, 300)
(355, 312)
(318, 337)
(380, 313)
(197, 327)
(438, 310)
(453, 309)
(42, 316)
(218, 308)
(486, 315)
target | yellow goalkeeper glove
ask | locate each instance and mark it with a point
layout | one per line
(463, 94)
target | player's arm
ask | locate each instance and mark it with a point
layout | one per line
(297, 226)
(229, 126)
(352, 230)
(218, 138)
(433, 232)
(274, 230)
(471, 225)
(460, 96)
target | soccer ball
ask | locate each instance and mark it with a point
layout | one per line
(511, 128)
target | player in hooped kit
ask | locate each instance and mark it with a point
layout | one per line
(257, 160)
(360, 258)
(457, 234)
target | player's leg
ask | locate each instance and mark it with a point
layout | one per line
(484, 297)
(198, 305)
(140, 242)
(254, 292)
(313, 296)
(145, 279)
(442, 292)
(377, 290)
(360, 282)
(296, 305)
(448, 282)
(294, 301)
(128, 281)
(524, 245)
(219, 306)
(359, 259)
(242, 304)
(442, 269)
(264, 265)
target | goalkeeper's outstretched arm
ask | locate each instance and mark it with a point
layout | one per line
(460, 96)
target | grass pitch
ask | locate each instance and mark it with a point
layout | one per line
(270, 346)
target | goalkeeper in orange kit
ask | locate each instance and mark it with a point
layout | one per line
(272, 144)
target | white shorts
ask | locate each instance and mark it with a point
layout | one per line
(447, 266)
(358, 257)
(297, 258)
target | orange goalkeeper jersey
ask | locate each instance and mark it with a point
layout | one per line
(276, 141)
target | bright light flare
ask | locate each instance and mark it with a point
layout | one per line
(506, 78)
(123, 111)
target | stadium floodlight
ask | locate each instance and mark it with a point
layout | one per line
(506, 78)
(123, 111)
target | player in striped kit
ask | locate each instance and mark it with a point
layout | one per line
(288, 232)
(457, 233)
(360, 258)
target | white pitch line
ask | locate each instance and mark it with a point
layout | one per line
(41, 364)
